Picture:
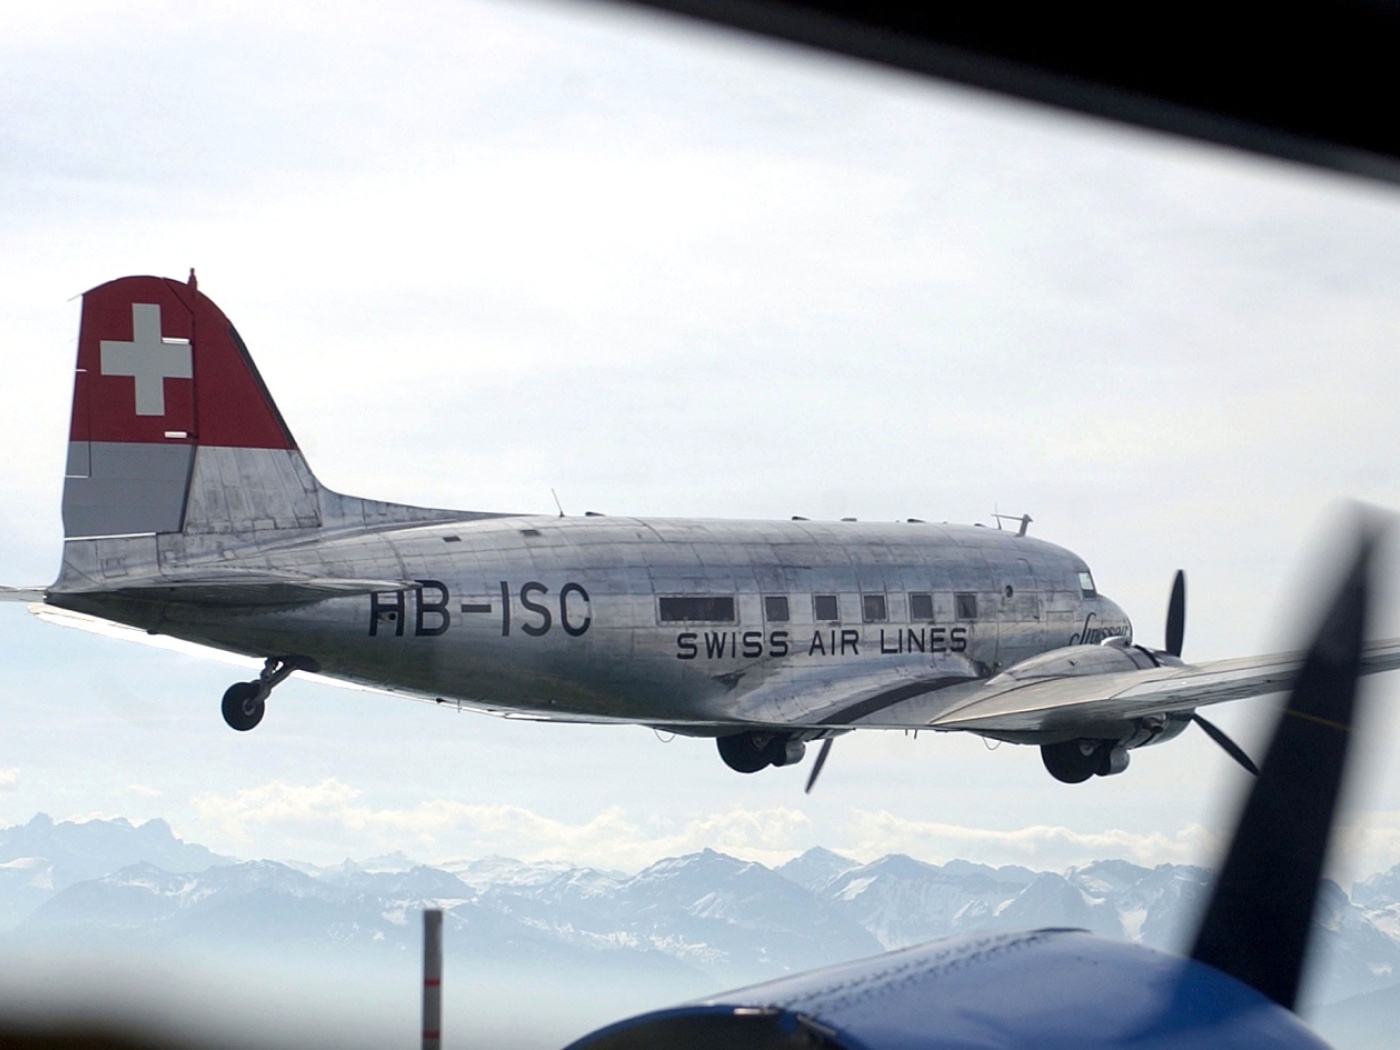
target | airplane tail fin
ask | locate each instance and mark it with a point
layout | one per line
(173, 430)
(178, 458)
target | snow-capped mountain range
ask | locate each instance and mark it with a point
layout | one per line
(686, 925)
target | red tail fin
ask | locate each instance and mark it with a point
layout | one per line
(173, 429)
(159, 363)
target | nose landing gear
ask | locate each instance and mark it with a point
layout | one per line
(245, 702)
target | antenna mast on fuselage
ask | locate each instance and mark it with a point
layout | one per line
(1024, 519)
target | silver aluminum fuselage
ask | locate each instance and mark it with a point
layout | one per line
(563, 618)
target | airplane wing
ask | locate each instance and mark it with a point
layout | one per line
(1008, 704)
(1082, 689)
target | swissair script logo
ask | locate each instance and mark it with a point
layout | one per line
(148, 358)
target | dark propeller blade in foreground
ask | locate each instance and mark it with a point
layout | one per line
(1176, 615)
(817, 766)
(1256, 925)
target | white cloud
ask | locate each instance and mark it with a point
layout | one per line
(9, 780)
(1049, 848)
(142, 791)
(1364, 844)
(332, 818)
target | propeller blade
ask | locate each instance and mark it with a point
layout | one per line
(817, 766)
(1176, 615)
(1231, 748)
(1257, 923)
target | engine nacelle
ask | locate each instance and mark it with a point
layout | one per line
(1050, 987)
(1113, 655)
(1158, 729)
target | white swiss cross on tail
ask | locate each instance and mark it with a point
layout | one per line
(149, 358)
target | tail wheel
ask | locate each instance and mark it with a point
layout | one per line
(244, 703)
(744, 753)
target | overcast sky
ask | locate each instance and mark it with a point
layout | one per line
(484, 250)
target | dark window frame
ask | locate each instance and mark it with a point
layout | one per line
(865, 608)
(965, 605)
(818, 600)
(696, 608)
(772, 601)
(916, 599)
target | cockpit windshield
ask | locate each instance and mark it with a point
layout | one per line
(1086, 584)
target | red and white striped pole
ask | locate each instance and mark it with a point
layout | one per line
(432, 978)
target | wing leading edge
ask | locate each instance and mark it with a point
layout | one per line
(1007, 704)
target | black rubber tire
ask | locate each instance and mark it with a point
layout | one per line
(1069, 764)
(243, 705)
(742, 753)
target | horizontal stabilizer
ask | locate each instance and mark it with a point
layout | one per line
(248, 588)
(21, 594)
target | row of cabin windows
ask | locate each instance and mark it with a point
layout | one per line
(825, 608)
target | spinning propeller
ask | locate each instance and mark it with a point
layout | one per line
(1176, 635)
(817, 765)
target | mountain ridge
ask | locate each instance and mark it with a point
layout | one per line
(696, 922)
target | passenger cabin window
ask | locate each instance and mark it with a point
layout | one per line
(1086, 584)
(873, 608)
(824, 607)
(966, 606)
(775, 608)
(706, 609)
(920, 607)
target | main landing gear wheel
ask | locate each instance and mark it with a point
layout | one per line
(1075, 761)
(1072, 762)
(244, 704)
(743, 752)
(750, 752)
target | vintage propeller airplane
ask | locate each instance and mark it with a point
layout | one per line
(189, 512)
